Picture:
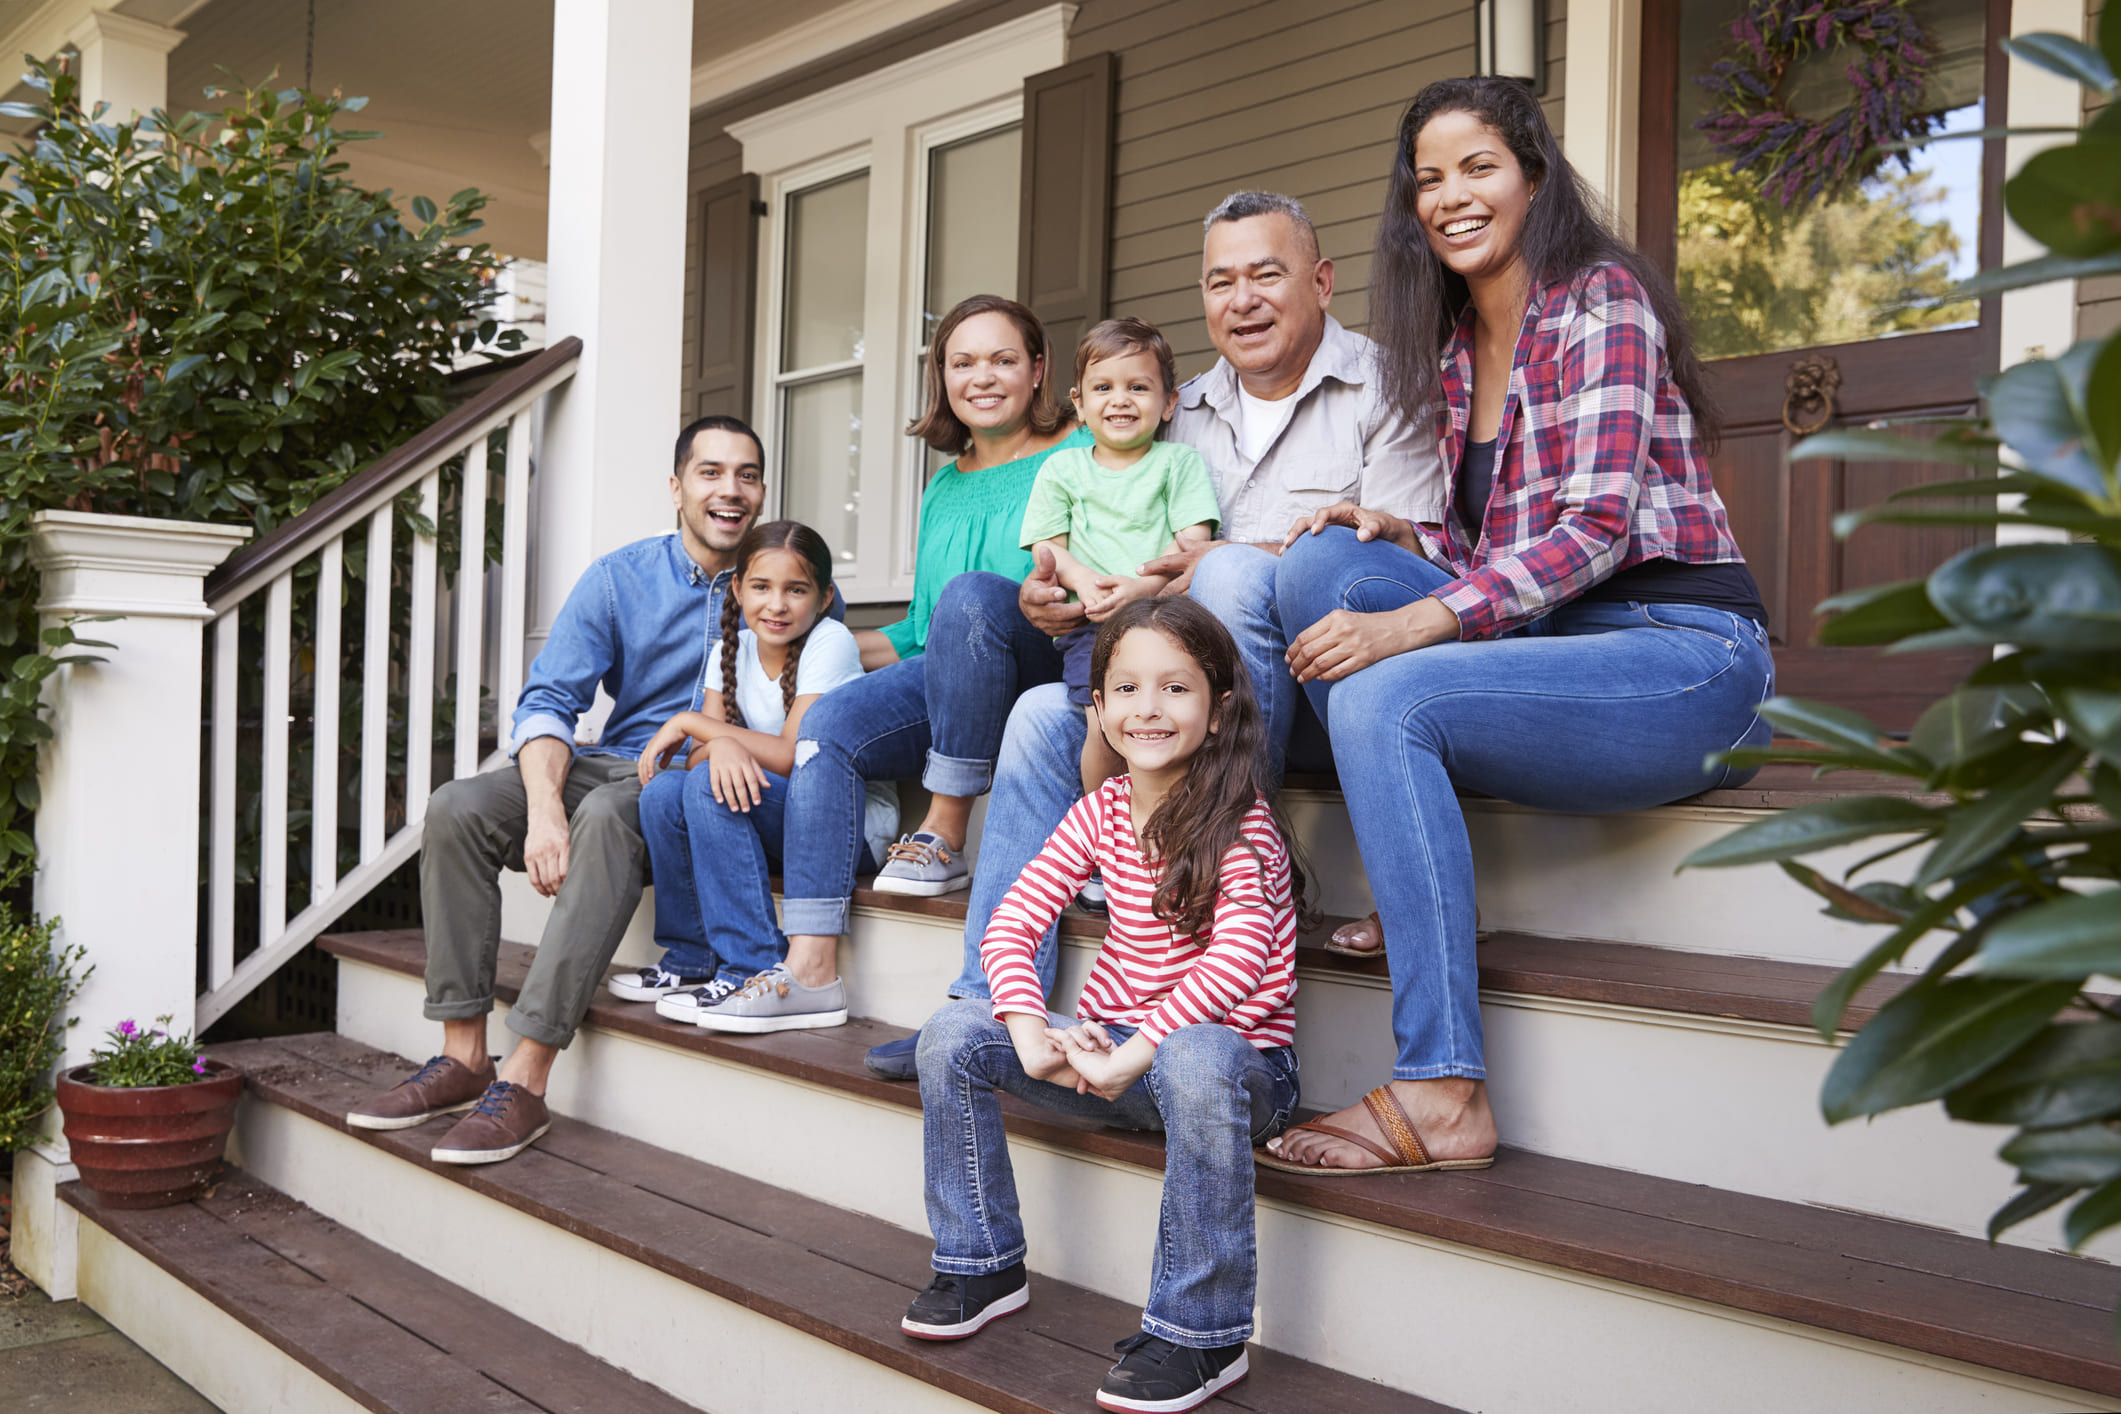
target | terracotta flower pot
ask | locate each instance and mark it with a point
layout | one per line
(149, 1146)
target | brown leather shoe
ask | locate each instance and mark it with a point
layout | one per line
(442, 1086)
(507, 1120)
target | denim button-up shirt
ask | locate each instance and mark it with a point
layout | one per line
(639, 624)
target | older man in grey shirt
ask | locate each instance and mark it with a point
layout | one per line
(1289, 419)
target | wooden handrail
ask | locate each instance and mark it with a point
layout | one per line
(260, 561)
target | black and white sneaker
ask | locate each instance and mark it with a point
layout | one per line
(954, 1306)
(1154, 1376)
(648, 983)
(688, 1004)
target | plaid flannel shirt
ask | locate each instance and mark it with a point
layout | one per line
(1598, 467)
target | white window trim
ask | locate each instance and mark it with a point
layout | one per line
(902, 111)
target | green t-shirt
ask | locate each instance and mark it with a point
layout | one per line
(1116, 521)
(969, 521)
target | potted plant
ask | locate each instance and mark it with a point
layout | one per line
(148, 1117)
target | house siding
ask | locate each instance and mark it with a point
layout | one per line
(1299, 96)
(2098, 301)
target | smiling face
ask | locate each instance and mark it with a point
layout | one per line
(1123, 400)
(1471, 195)
(780, 597)
(717, 492)
(1265, 290)
(1154, 706)
(988, 375)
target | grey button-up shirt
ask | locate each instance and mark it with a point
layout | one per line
(1341, 443)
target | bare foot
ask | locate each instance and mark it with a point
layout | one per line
(1365, 937)
(1451, 1115)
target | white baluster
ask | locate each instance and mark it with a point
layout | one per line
(272, 774)
(420, 662)
(324, 774)
(221, 862)
(515, 567)
(471, 607)
(375, 685)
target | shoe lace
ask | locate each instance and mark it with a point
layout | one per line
(717, 990)
(1159, 1349)
(775, 981)
(431, 1071)
(495, 1100)
(917, 851)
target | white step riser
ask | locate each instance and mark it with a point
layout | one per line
(210, 1350)
(1442, 1320)
(697, 1346)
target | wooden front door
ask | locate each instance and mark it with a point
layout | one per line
(1818, 313)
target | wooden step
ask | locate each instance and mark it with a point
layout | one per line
(1781, 786)
(371, 1324)
(832, 1274)
(2042, 1315)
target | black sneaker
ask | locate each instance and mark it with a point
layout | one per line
(688, 1004)
(1091, 897)
(954, 1306)
(1154, 1375)
(646, 984)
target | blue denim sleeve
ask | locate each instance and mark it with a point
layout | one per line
(577, 655)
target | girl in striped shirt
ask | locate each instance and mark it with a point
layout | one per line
(1185, 1024)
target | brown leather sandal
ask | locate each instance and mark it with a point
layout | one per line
(1392, 1122)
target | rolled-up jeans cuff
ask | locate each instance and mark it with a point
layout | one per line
(953, 775)
(815, 917)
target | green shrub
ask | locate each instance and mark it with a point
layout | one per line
(36, 983)
(2018, 867)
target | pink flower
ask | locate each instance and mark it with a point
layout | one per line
(198, 1067)
(126, 1028)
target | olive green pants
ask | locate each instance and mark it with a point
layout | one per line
(475, 829)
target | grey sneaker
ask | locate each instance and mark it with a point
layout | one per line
(775, 1001)
(923, 866)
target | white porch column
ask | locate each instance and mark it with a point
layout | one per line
(124, 62)
(118, 822)
(621, 95)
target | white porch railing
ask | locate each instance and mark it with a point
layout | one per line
(262, 581)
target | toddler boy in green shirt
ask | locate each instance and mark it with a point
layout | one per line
(1107, 508)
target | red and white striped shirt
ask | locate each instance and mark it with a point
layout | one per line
(1242, 974)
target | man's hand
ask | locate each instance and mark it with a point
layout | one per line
(1038, 1053)
(1367, 525)
(1345, 642)
(1044, 599)
(1176, 564)
(544, 763)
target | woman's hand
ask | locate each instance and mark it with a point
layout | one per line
(656, 755)
(1345, 642)
(1367, 525)
(738, 780)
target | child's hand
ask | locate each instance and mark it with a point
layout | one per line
(667, 739)
(1118, 589)
(1107, 1071)
(738, 780)
(1038, 1053)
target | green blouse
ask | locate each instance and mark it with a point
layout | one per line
(970, 520)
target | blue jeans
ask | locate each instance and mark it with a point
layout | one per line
(939, 715)
(1591, 709)
(1212, 1093)
(714, 896)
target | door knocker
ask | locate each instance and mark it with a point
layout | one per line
(1808, 394)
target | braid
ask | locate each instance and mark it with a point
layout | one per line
(731, 617)
(795, 657)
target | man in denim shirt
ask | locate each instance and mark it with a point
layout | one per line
(637, 625)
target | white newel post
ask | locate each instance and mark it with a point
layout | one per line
(615, 276)
(118, 823)
(124, 62)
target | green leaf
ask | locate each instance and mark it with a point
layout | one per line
(2067, 1074)
(1934, 1037)
(1832, 1003)
(1841, 729)
(2028, 1202)
(1970, 721)
(1865, 445)
(1807, 829)
(2073, 938)
(1979, 486)
(2036, 596)
(2060, 54)
(424, 208)
(1843, 902)
(2064, 197)
(2083, 1155)
(1978, 830)
(2102, 397)
(1880, 613)
(2039, 409)
(2099, 1210)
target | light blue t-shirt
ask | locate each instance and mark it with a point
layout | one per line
(830, 658)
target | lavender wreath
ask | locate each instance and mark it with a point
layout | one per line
(1798, 159)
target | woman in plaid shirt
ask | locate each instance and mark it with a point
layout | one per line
(1579, 632)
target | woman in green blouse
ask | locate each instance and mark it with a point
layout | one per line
(942, 679)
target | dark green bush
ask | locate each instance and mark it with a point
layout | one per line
(36, 983)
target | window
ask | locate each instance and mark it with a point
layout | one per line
(889, 199)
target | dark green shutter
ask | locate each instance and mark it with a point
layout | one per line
(726, 226)
(1065, 217)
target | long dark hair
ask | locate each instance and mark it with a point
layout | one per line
(1415, 300)
(1203, 817)
(939, 425)
(774, 535)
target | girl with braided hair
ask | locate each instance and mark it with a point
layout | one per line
(715, 830)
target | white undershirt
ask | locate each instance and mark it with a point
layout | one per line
(1260, 422)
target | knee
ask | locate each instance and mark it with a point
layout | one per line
(609, 811)
(952, 1033)
(1310, 567)
(1234, 580)
(1043, 732)
(1199, 1066)
(662, 802)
